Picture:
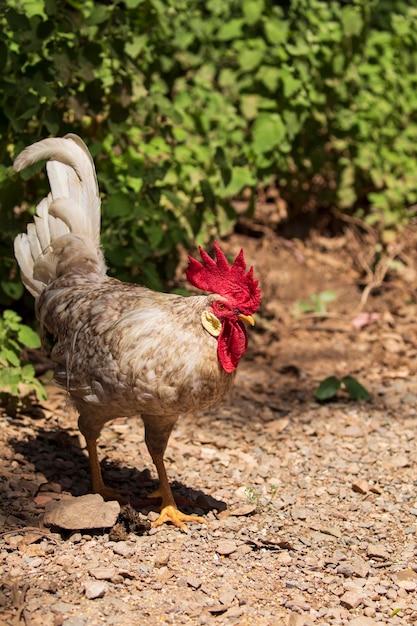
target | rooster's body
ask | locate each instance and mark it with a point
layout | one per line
(121, 349)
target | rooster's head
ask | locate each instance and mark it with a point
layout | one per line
(239, 298)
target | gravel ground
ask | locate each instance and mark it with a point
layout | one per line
(311, 508)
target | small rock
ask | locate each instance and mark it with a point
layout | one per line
(409, 398)
(352, 431)
(161, 558)
(226, 597)
(95, 589)
(43, 498)
(74, 620)
(284, 558)
(62, 607)
(300, 513)
(295, 619)
(234, 612)
(217, 608)
(408, 585)
(363, 621)
(352, 599)
(88, 511)
(226, 547)
(360, 567)
(124, 548)
(241, 511)
(406, 574)
(360, 486)
(399, 460)
(102, 573)
(193, 581)
(345, 569)
(377, 552)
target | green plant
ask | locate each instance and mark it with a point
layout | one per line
(252, 495)
(329, 387)
(187, 103)
(255, 498)
(317, 303)
(17, 379)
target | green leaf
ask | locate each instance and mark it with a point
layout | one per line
(352, 22)
(328, 388)
(250, 58)
(28, 337)
(268, 131)
(355, 389)
(10, 356)
(231, 30)
(252, 10)
(276, 30)
(99, 14)
(10, 378)
(241, 178)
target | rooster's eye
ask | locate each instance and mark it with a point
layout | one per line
(221, 306)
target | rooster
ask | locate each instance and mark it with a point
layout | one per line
(120, 349)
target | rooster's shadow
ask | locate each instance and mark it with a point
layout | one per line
(57, 455)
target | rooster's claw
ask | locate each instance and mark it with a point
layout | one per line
(172, 514)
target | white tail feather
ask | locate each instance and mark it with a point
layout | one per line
(73, 206)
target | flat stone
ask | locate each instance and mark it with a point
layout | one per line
(352, 599)
(360, 567)
(102, 573)
(360, 486)
(95, 589)
(406, 574)
(399, 460)
(377, 552)
(162, 558)
(124, 548)
(88, 511)
(226, 547)
(193, 581)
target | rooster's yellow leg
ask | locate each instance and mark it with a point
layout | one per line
(169, 510)
(98, 485)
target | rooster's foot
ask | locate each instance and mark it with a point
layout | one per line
(172, 514)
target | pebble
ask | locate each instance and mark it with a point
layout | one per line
(162, 558)
(74, 620)
(361, 486)
(102, 573)
(360, 567)
(124, 548)
(95, 589)
(226, 547)
(352, 599)
(399, 460)
(193, 581)
(377, 552)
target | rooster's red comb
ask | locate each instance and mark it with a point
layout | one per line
(230, 281)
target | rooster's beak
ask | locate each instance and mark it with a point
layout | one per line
(247, 318)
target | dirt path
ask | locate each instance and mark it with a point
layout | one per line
(311, 508)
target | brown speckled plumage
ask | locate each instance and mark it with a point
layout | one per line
(120, 349)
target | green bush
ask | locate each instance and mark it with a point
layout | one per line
(17, 379)
(185, 103)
